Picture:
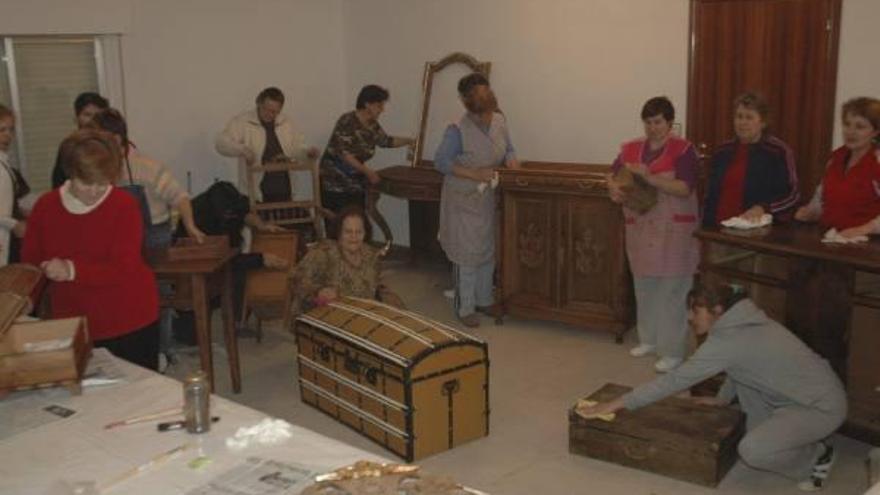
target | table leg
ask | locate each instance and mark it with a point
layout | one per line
(229, 331)
(372, 205)
(203, 325)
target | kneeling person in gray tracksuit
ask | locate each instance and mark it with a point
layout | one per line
(790, 395)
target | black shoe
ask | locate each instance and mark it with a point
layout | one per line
(486, 310)
(821, 468)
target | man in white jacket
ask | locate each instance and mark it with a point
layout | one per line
(260, 136)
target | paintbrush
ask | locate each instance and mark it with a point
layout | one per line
(146, 417)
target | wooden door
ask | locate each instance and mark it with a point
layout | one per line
(530, 255)
(592, 257)
(784, 49)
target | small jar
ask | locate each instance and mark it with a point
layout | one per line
(197, 402)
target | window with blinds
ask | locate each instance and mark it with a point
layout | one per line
(43, 76)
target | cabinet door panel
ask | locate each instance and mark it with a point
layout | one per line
(592, 241)
(529, 254)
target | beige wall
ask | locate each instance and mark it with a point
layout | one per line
(189, 66)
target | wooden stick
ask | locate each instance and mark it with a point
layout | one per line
(146, 417)
(135, 471)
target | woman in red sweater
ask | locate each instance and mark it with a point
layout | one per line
(848, 199)
(86, 236)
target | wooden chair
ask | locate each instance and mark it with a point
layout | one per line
(267, 291)
(293, 213)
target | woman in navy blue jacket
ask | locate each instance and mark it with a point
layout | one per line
(753, 174)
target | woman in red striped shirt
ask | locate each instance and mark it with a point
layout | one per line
(86, 236)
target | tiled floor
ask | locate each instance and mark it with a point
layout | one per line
(538, 370)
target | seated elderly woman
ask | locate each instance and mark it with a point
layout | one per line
(848, 199)
(348, 266)
(753, 174)
(86, 236)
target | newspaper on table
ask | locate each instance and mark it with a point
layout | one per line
(259, 476)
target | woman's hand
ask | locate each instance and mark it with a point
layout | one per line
(615, 192)
(483, 174)
(512, 163)
(274, 262)
(707, 401)
(372, 176)
(19, 229)
(249, 157)
(194, 232)
(601, 409)
(270, 228)
(637, 169)
(866, 229)
(326, 295)
(57, 270)
(754, 214)
(804, 214)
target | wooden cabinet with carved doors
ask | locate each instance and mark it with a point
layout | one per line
(562, 256)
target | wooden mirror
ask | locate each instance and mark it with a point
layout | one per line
(431, 70)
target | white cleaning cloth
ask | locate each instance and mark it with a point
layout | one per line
(482, 186)
(742, 223)
(834, 237)
(267, 432)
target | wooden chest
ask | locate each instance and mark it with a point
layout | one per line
(413, 385)
(673, 437)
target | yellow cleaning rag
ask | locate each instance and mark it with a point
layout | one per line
(584, 403)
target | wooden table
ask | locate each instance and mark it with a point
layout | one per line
(420, 186)
(827, 294)
(195, 281)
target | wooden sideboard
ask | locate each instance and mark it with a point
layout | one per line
(562, 247)
(828, 295)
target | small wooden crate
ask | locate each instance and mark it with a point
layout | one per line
(673, 437)
(415, 386)
(24, 365)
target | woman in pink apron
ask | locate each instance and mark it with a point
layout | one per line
(660, 246)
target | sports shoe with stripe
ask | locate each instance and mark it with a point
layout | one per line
(821, 468)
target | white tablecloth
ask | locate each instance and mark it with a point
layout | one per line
(45, 458)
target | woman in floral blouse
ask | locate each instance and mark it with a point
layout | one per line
(348, 266)
(344, 174)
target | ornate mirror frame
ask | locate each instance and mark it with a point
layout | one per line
(432, 68)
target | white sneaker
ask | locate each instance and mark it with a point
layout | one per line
(821, 468)
(642, 350)
(449, 293)
(667, 364)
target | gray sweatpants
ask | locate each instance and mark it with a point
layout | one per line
(784, 440)
(473, 286)
(661, 313)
